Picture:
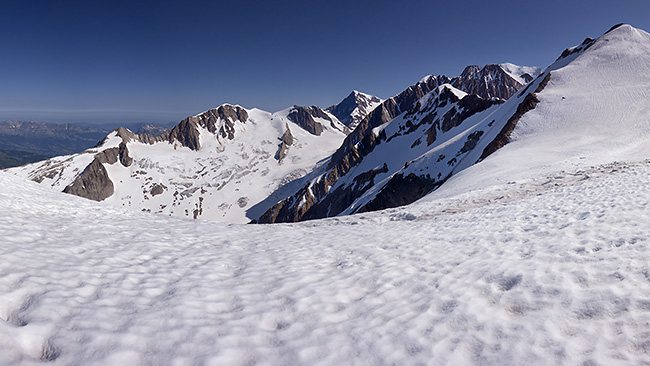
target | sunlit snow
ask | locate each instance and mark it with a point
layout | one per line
(537, 255)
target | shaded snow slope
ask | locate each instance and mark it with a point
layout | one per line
(216, 165)
(554, 274)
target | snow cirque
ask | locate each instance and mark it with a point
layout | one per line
(215, 165)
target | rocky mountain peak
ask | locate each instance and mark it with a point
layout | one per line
(304, 117)
(489, 81)
(355, 107)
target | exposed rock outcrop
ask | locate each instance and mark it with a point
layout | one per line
(503, 137)
(220, 121)
(186, 133)
(401, 190)
(388, 110)
(93, 183)
(304, 117)
(286, 141)
(112, 155)
(489, 81)
(157, 188)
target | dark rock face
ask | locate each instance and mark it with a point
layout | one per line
(527, 77)
(93, 183)
(471, 142)
(469, 105)
(320, 201)
(588, 42)
(400, 191)
(343, 111)
(304, 117)
(157, 189)
(530, 102)
(187, 132)
(286, 141)
(123, 153)
(491, 81)
(112, 155)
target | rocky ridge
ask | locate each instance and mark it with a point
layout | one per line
(214, 165)
(370, 170)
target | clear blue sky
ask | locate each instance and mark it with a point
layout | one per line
(160, 61)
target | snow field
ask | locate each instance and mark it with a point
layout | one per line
(556, 276)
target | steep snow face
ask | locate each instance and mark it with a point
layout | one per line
(525, 274)
(523, 74)
(354, 108)
(215, 165)
(594, 110)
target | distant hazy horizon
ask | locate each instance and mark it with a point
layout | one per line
(93, 117)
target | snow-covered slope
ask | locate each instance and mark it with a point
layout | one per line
(594, 110)
(539, 274)
(589, 107)
(536, 255)
(215, 165)
(354, 108)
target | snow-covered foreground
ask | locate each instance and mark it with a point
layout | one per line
(545, 271)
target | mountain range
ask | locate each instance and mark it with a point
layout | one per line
(234, 164)
(238, 165)
(532, 247)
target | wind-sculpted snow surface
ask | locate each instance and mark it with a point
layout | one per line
(550, 271)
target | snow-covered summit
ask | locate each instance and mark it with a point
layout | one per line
(523, 74)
